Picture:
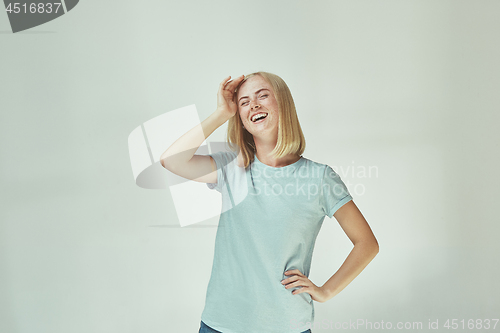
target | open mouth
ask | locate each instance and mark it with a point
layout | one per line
(259, 117)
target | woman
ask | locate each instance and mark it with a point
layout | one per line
(274, 202)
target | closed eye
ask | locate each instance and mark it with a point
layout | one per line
(246, 102)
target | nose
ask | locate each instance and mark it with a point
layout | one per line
(254, 105)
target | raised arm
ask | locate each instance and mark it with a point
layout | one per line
(180, 157)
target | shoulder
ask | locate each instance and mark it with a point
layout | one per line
(223, 152)
(224, 156)
(312, 169)
(317, 166)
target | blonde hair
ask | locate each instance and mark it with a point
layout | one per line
(290, 137)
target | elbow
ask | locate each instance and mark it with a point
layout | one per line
(370, 247)
(163, 161)
(374, 244)
(164, 164)
(169, 162)
(376, 248)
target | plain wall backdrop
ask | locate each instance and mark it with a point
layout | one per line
(408, 87)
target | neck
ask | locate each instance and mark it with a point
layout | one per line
(264, 149)
(265, 157)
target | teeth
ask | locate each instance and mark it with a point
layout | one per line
(253, 118)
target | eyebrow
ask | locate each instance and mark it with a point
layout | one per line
(258, 91)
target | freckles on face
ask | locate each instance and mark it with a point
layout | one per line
(258, 94)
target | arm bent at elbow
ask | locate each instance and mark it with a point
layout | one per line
(365, 249)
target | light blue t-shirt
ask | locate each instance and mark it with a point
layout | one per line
(269, 222)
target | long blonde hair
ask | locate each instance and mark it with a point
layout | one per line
(290, 137)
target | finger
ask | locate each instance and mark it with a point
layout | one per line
(301, 290)
(295, 284)
(230, 83)
(223, 83)
(294, 271)
(290, 280)
(234, 83)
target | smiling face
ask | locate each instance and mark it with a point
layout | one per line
(256, 96)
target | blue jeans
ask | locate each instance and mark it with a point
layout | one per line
(204, 328)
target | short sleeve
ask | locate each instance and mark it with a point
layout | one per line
(334, 193)
(222, 159)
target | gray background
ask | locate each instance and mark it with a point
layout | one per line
(410, 87)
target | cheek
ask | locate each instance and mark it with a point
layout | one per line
(274, 104)
(244, 112)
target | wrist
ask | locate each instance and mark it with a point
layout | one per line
(222, 115)
(329, 292)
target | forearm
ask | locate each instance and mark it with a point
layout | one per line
(359, 257)
(184, 148)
